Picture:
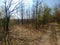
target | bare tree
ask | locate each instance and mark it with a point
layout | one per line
(28, 13)
(36, 4)
(8, 12)
(22, 12)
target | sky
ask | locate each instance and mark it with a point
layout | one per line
(27, 2)
(50, 3)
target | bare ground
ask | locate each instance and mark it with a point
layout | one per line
(27, 36)
(21, 35)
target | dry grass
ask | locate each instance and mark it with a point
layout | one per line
(22, 35)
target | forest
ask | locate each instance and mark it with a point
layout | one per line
(35, 24)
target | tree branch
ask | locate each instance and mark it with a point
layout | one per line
(16, 6)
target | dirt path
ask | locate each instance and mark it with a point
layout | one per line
(29, 36)
(21, 35)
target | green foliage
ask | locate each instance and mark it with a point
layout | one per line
(1, 22)
(43, 16)
(46, 15)
(57, 14)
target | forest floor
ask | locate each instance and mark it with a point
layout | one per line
(22, 35)
(29, 36)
